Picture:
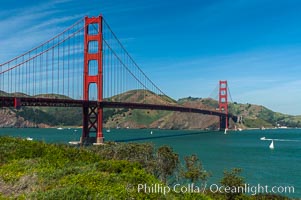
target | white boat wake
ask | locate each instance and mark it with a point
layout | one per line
(281, 140)
(271, 146)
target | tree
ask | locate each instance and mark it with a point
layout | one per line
(167, 163)
(233, 180)
(194, 170)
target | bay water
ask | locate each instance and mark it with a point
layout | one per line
(217, 151)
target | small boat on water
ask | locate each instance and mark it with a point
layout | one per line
(262, 138)
(108, 130)
(74, 142)
(225, 132)
(272, 145)
(59, 128)
(151, 132)
(29, 138)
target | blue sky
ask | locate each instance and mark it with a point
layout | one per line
(185, 47)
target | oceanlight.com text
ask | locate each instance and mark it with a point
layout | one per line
(214, 188)
(252, 189)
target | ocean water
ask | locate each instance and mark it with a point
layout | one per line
(217, 151)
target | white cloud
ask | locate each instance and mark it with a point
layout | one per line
(32, 26)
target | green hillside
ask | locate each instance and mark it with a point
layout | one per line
(257, 116)
(253, 116)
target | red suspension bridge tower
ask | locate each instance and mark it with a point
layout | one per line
(93, 115)
(223, 104)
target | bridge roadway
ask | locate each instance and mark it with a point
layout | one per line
(51, 102)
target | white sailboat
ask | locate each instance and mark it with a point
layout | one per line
(272, 145)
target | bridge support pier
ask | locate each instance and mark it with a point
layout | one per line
(99, 134)
(223, 122)
(92, 123)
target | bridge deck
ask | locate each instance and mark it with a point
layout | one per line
(50, 102)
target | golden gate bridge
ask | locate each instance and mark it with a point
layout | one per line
(87, 66)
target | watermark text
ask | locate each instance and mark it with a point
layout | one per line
(214, 188)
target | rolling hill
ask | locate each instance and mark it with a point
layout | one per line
(253, 116)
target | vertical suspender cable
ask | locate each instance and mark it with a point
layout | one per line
(63, 65)
(68, 64)
(46, 67)
(58, 67)
(52, 68)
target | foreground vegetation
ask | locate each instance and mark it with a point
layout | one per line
(35, 170)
